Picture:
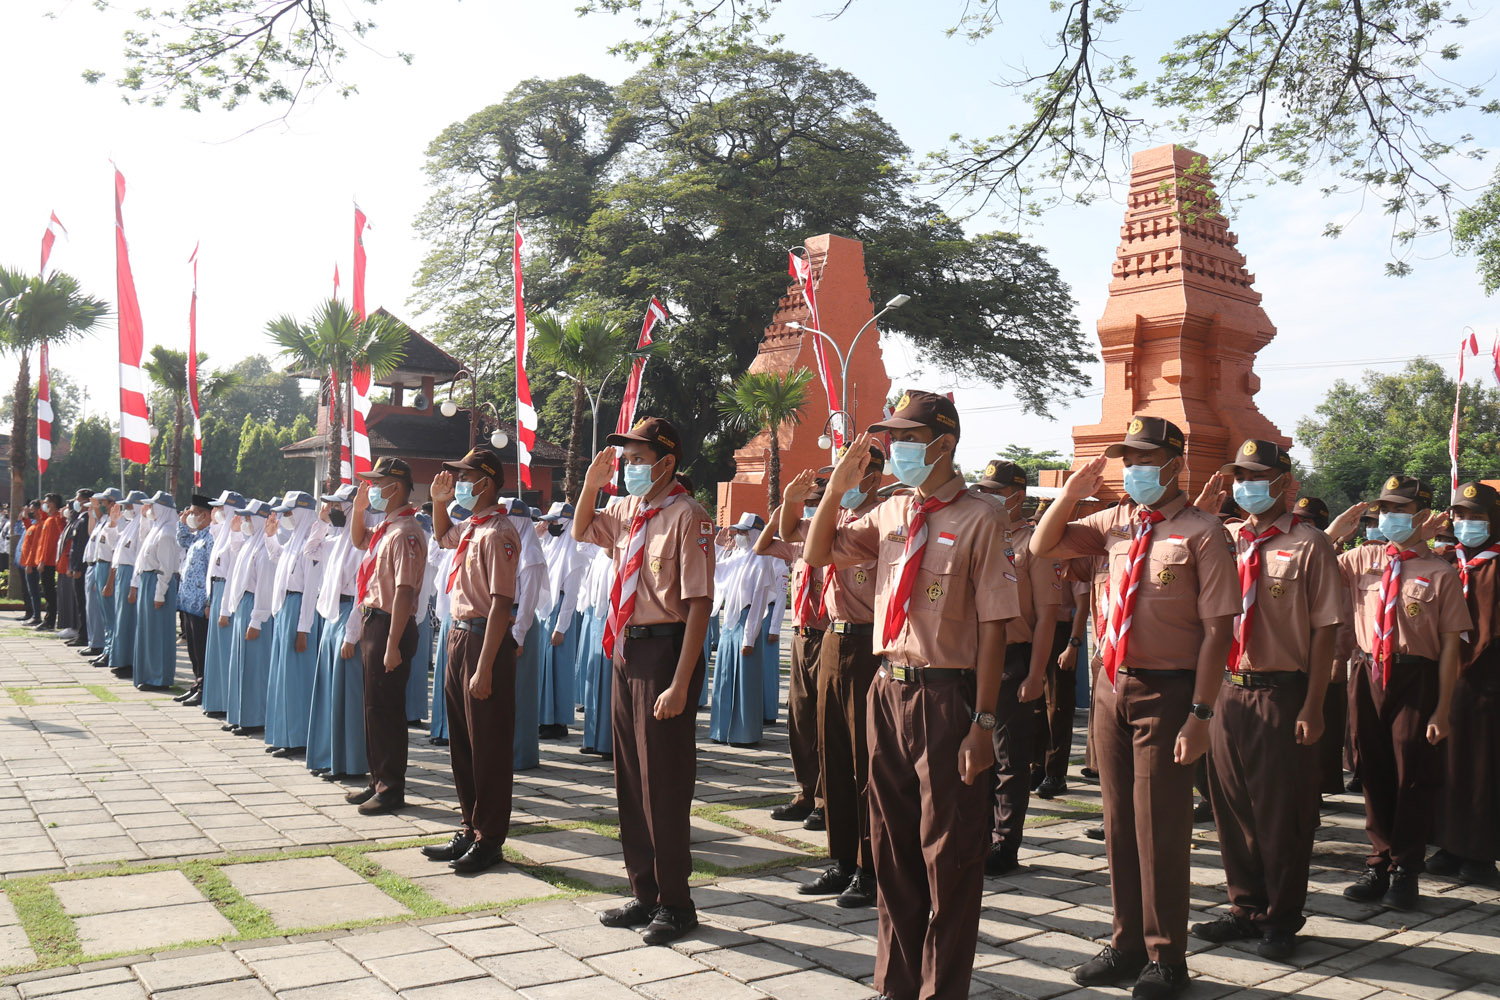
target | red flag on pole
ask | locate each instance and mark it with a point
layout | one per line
(135, 434)
(335, 280)
(1469, 345)
(525, 415)
(360, 222)
(800, 268)
(54, 226)
(192, 375)
(43, 417)
(359, 389)
(655, 313)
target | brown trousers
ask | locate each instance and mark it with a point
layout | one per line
(1401, 771)
(1054, 731)
(1331, 744)
(929, 831)
(385, 703)
(656, 764)
(802, 716)
(481, 734)
(1264, 789)
(846, 666)
(1014, 722)
(1089, 757)
(1148, 809)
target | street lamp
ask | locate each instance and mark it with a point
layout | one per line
(448, 408)
(824, 440)
(593, 397)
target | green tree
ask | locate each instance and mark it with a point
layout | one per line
(1033, 461)
(168, 370)
(221, 449)
(265, 392)
(91, 458)
(1478, 234)
(1397, 423)
(262, 468)
(766, 400)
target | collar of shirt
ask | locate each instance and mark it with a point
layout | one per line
(947, 491)
(1168, 510)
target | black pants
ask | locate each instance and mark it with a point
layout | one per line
(385, 702)
(195, 630)
(80, 605)
(33, 581)
(49, 595)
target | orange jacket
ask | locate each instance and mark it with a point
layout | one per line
(30, 542)
(52, 528)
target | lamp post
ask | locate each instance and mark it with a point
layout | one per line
(895, 303)
(499, 439)
(594, 397)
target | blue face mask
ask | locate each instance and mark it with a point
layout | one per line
(808, 512)
(1397, 528)
(638, 480)
(1143, 483)
(1471, 534)
(377, 498)
(1374, 534)
(852, 498)
(909, 462)
(1253, 497)
(464, 494)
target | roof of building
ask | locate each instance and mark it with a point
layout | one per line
(423, 359)
(416, 435)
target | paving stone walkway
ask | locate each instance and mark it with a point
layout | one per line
(149, 854)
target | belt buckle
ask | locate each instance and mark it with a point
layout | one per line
(1239, 680)
(902, 673)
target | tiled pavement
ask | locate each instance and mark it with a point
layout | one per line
(136, 829)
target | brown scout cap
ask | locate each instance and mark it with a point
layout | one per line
(1312, 509)
(480, 460)
(1405, 489)
(652, 431)
(388, 468)
(1000, 473)
(1147, 433)
(1476, 496)
(919, 408)
(1260, 456)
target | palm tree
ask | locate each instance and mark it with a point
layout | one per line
(765, 399)
(335, 340)
(34, 311)
(168, 369)
(588, 349)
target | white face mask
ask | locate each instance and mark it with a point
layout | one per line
(197, 521)
(247, 527)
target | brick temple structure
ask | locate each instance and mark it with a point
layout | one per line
(1182, 325)
(844, 305)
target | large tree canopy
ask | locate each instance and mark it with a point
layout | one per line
(689, 182)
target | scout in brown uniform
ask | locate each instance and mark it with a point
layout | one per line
(944, 593)
(479, 688)
(1262, 762)
(662, 540)
(390, 574)
(1028, 647)
(1336, 699)
(1173, 595)
(1408, 614)
(1070, 643)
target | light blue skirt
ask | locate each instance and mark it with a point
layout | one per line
(289, 689)
(738, 687)
(598, 682)
(438, 725)
(249, 668)
(155, 633)
(527, 750)
(557, 669)
(216, 653)
(770, 673)
(710, 643)
(328, 702)
(94, 606)
(122, 641)
(421, 663)
(347, 696)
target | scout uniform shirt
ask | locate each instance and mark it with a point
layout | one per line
(803, 575)
(850, 593)
(490, 549)
(964, 578)
(679, 555)
(1041, 585)
(1299, 589)
(1188, 576)
(1430, 604)
(400, 561)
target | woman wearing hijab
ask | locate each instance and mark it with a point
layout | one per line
(739, 711)
(558, 640)
(597, 682)
(227, 542)
(437, 728)
(294, 653)
(247, 605)
(531, 595)
(154, 594)
(196, 539)
(336, 717)
(121, 579)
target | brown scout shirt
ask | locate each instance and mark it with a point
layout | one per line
(852, 598)
(1299, 589)
(488, 569)
(962, 581)
(791, 553)
(1189, 576)
(400, 561)
(679, 555)
(1041, 585)
(1431, 602)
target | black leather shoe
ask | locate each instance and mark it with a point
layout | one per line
(360, 796)
(1402, 895)
(99, 661)
(1001, 860)
(669, 923)
(484, 854)
(91, 652)
(636, 913)
(1444, 863)
(452, 850)
(833, 881)
(814, 821)
(1094, 833)
(1354, 785)
(1092, 774)
(194, 698)
(1203, 812)
(1051, 788)
(377, 804)
(1277, 946)
(123, 672)
(75, 643)
(1159, 981)
(792, 812)
(1226, 928)
(556, 731)
(860, 893)
(1109, 967)
(1369, 887)
(1476, 872)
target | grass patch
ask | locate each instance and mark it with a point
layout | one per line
(724, 815)
(20, 695)
(101, 692)
(53, 936)
(249, 920)
(397, 887)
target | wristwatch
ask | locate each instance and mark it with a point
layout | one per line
(1074, 642)
(1202, 712)
(986, 720)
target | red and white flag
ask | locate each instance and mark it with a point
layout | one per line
(346, 471)
(655, 313)
(192, 375)
(1469, 345)
(360, 222)
(135, 433)
(525, 414)
(43, 416)
(800, 268)
(335, 280)
(54, 226)
(359, 395)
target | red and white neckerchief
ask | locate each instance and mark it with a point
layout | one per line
(367, 561)
(463, 544)
(622, 594)
(803, 614)
(1467, 562)
(906, 567)
(1385, 621)
(1249, 566)
(1122, 607)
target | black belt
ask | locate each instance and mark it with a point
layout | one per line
(661, 631)
(475, 625)
(852, 628)
(1407, 660)
(1255, 680)
(806, 630)
(371, 612)
(1138, 672)
(910, 675)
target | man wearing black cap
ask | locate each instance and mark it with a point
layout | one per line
(945, 594)
(75, 539)
(1173, 595)
(664, 585)
(1314, 511)
(1409, 615)
(195, 538)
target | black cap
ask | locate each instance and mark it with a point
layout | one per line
(1476, 496)
(653, 431)
(199, 500)
(481, 460)
(1260, 456)
(1000, 473)
(919, 408)
(1405, 489)
(1312, 509)
(388, 468)
(1147, 433)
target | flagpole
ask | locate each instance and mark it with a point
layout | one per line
(515, 228)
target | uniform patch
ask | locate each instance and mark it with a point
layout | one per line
(946, 538)
(1277, 590)
(705, 527)
(656, 565)
(1422, 581)
(1413, 609)
(896, 536)
(1166, 576)
(1281, 555)
(703, 542)
(510, 552)
(1122, 532)
(860, 576)
(413, 544)
(934, 592)
(1177, 539)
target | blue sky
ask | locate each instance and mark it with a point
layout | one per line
(272, 205)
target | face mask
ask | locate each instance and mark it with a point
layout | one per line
(1397, 528)
(197, 521)
(742, 541)
(127, 514)
(909, 462)
(377, 498)
(1253, 497)
(1374, 534)
(808, 512)
(247, 527)
(77, 507)
(464, 493)
(852, 498)
(638, 480)
(337, 517)
(1143, 483)
(554, 529)
(1471, 534)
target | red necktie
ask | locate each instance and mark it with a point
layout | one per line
(463, 544)
(898, 606)
(1385, 622)
(622, 594)
(804, 607)
(367, 562)
(1122, 610)
(1466, 563)
(1249, 561)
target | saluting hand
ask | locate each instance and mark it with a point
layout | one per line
(362, 498)
(1430, 525)
(1085, 482)
(850, 468)
(442, 487)
(1212, 498)
(796, 492)
(600, 469)
(1343, 526)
